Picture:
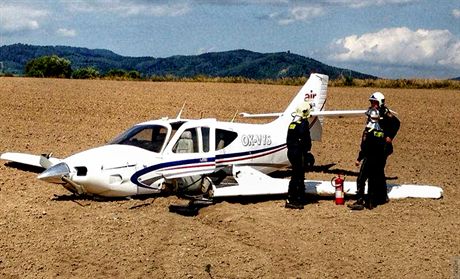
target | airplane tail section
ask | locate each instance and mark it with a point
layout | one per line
(314, 92)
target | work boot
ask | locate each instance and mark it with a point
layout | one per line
(357, 205)
(293, 205)
(370, 204)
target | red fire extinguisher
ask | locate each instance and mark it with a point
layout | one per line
(337, 183)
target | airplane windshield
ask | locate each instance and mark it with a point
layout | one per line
(150, 137)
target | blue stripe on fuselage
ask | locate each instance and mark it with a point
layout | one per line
(136, 175)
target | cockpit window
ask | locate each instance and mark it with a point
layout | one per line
(150, 137)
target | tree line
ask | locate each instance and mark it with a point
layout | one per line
(57, 67)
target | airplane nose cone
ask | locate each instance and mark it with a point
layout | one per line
(55, 173)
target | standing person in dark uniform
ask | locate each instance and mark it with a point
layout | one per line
(298, 151)
(388, 121)
(390, 124)
(372, 160)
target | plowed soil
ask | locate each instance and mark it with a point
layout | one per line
(45, 234)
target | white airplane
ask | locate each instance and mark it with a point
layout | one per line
(197, 157)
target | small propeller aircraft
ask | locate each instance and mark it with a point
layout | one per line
(197, 157)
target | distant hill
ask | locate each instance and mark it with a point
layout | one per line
(229, 63)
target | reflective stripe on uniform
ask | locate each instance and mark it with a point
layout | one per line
(378, 134)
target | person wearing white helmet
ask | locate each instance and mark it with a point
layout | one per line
(388, 121)
(389, 124)
(298, 151)
(371, 157)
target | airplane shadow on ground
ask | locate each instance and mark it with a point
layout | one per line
(23, 167)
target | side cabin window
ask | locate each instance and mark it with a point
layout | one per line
(187, 143)
(224, 138)
(193, 140)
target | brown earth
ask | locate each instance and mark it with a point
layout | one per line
(43, 236)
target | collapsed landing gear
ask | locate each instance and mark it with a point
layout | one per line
(199, 198)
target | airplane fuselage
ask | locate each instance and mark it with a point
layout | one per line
(142, 158)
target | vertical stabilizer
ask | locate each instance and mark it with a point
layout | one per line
(315, 92)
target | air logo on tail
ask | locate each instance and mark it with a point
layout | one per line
(309, 96)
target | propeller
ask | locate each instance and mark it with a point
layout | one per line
(54, 174)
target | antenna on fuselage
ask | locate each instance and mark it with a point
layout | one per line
(180, 112)
(234, 116)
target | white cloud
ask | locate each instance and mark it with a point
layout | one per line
(298, 13)
(349, 3)
(14, 18)
(354, 3)
(366, 3)
(205, 50)
(400, 46)
(304, 11)
(456, 13)
(130, 7)
(64, 32)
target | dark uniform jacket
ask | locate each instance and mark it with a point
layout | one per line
(390, 125)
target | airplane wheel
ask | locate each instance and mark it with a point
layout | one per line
(206, 185)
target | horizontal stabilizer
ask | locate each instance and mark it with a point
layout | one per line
(260, 115)
(29, 159)
(329, 113)
(251, 182)
(339, 113)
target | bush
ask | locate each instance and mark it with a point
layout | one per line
(86, 73)
(49, 66)
(116, 73)
(134, 75)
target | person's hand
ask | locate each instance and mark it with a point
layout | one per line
(357, 163)
(388, 140)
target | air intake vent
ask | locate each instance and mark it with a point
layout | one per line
(81, 171)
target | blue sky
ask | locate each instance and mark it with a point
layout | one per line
(387, 38)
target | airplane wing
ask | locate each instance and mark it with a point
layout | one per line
(329, 113)
(250, 182)
(41, 161)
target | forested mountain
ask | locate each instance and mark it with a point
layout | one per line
(229, 63)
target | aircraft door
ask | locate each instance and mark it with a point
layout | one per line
(191, 151)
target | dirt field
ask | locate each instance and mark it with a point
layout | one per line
(45, 235)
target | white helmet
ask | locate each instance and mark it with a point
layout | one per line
(303, 110)
(378, 97)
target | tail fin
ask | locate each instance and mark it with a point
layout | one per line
(315, 92)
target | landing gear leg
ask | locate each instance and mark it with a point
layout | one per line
(196, 202)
